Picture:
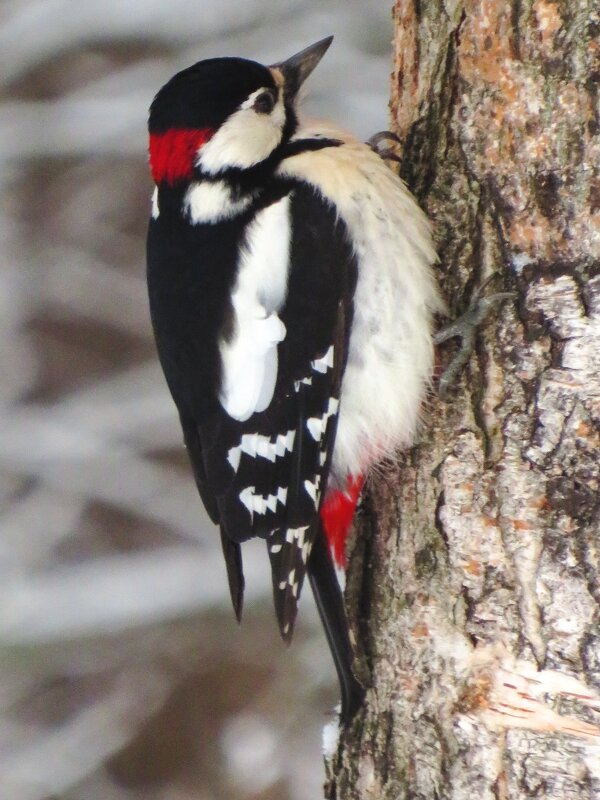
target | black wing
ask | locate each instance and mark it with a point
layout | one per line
(265, 476)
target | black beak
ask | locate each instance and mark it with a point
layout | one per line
(297, 68)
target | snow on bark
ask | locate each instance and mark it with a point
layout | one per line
(475, 579)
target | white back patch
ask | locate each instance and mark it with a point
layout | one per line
(249, 358)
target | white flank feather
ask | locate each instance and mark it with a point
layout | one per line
(390, 357)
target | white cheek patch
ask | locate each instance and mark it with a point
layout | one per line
(249, 358)
(244, 139)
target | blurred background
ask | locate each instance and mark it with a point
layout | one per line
(123, 674)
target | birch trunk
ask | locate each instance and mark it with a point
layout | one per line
(474, 581)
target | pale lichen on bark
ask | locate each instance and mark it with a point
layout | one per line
(475, 583)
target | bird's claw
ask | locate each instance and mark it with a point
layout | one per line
(385, 152)
(465, 328)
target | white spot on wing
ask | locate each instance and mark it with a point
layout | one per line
(296, 534)
(285, 441)
(250, 357)
(259, 504)
(306, 381)
(233, 456)
(256, 445)
(250, 443)
(324, 363)
(318, 425)
(265, 449)
(312, 489)
(315, 428)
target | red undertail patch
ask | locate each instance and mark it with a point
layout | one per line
(172, 153)
(336, 515)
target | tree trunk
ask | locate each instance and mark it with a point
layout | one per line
(474, 581)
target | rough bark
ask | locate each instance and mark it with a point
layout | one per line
(475, 577)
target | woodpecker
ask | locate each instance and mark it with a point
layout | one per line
(292, 296)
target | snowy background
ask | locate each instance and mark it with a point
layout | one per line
(122, 672)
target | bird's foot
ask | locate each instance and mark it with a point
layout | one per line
(465, 328)
(377, 144)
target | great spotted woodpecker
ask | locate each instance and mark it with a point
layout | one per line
(292, 295)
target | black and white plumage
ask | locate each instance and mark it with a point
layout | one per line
(291, 295)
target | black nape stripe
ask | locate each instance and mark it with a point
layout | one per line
(308, 145)
(246, 179)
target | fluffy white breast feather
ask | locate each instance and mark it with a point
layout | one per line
(390, 355)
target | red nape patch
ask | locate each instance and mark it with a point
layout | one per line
(172, 153)
(336, 515)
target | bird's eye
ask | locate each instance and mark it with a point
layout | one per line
(264, 103)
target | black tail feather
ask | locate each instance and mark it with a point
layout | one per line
(235, 573)
(330, 604)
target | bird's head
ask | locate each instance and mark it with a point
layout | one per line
(225, 113)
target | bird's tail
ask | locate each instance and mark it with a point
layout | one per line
(330, 603)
